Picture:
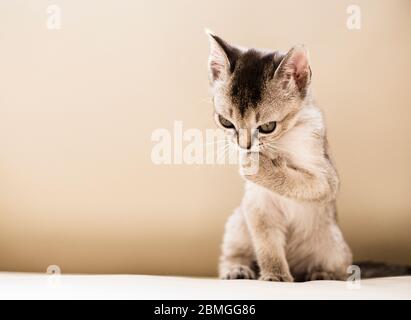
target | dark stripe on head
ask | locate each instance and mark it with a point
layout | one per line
(253, 70)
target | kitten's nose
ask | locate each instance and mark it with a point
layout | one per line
(244, 139)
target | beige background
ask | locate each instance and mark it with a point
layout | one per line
(78, 106)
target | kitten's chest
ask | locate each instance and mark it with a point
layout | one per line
(299, 217)
(296, 215)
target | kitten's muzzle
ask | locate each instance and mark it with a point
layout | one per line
(246, 138)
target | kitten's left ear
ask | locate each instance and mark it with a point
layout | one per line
(222, 59)
(294, 71)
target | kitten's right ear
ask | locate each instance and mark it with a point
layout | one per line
(294, 70)
(221, 61)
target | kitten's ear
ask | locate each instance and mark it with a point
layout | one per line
(223, 56)
(294, 71)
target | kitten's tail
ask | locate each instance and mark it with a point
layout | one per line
(370, 269)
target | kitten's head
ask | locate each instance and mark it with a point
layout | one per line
(257, 93)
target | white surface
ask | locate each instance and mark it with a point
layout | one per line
(38, 286)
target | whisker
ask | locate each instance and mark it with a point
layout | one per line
(221, 153)
(276, 147)
(215, 142)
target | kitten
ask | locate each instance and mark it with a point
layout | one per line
(285, 227)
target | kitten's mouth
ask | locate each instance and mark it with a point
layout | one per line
(248, 151)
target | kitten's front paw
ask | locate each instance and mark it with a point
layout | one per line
(238, 272)
(249, 163)
(278, 277)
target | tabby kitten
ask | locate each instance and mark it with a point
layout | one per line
(285, 227)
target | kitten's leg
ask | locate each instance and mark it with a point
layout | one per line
(268, 237)
(331, 257)
(237, 259)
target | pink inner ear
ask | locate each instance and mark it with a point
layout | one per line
(216, 69)
(299, 63)
(216, 63)
(299, 69)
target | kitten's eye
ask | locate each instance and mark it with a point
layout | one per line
(267, 127)
(225, 123)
